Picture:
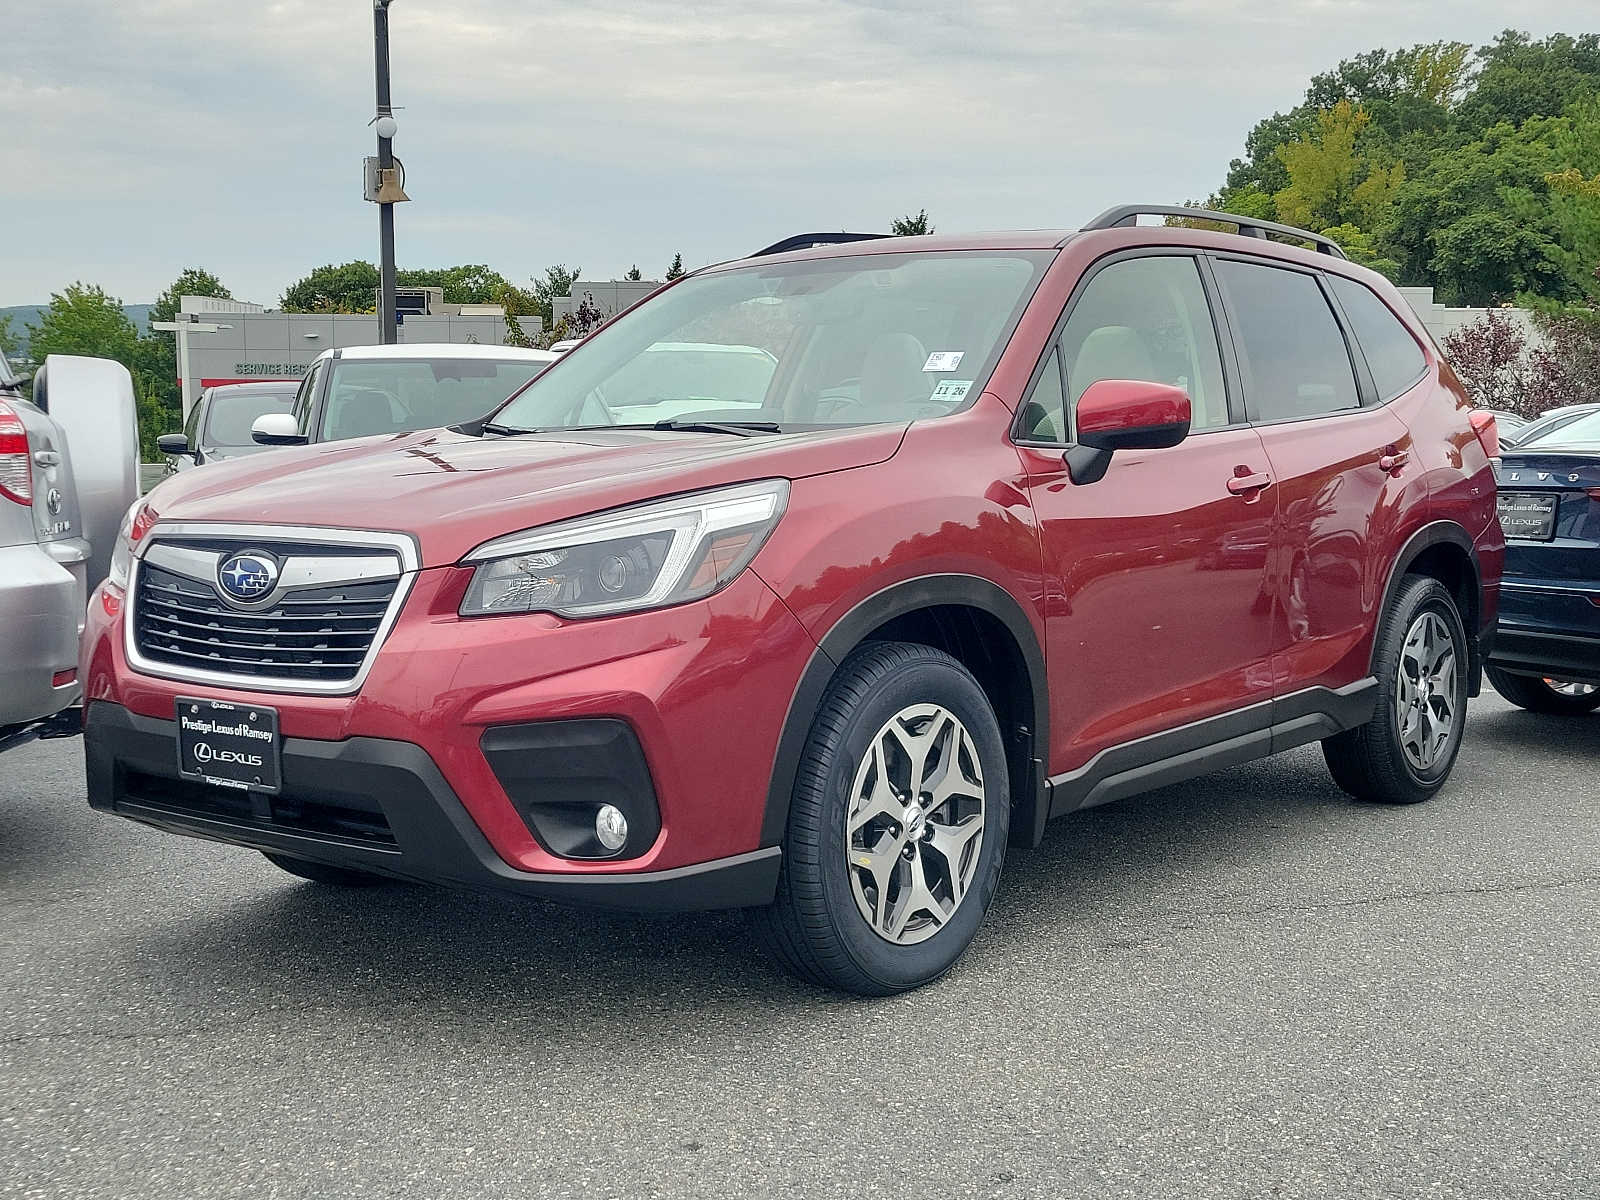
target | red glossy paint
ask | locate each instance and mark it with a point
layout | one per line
(1125, 405)
(1190, 581)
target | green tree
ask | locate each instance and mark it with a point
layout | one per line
(675, 271)
(634, 275)
(82, 319)
(911, 226)
(1478, 222)
(1331, 182)
(1519, 79)
(350, 287)
(9, 345)
(1362, 247)
(475, 283)
(191, 281)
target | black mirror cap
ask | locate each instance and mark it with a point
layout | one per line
(174, 443)
(278, 439)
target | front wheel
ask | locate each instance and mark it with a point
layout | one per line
(897, 825)
(1558, 696)
(1405, 752)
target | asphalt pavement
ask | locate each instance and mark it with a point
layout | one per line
(1242, 986)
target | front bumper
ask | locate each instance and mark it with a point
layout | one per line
(379, 805)
(703, 687)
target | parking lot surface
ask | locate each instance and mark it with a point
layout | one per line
(1246, 985)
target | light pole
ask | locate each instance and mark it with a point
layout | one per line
(387, 330)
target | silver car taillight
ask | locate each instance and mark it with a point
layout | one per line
(16, 472)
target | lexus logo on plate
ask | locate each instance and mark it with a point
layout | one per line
(247, 576)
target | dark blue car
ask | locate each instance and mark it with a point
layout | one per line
(1546, 654)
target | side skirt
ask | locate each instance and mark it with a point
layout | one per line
(1205, 746)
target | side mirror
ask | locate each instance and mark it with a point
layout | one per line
(277, 429)
(1125, 414)
(174, 443)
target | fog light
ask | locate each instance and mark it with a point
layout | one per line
(611, 827)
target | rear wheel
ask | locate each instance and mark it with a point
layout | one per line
(1405, 753)
(897, 826)
(1560, 696)
(324, 873)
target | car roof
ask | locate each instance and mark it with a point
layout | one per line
(1187, 237)
(443, 350)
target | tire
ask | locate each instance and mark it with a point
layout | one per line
(866, 923)
(324, 873)
(1536, 694)
(1397, 757)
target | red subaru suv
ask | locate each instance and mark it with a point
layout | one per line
(960, 534)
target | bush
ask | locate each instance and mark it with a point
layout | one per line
(1501, 369)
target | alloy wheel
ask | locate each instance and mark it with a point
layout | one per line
(914, 828)
(1426, 691)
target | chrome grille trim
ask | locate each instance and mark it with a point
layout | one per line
(395, 558)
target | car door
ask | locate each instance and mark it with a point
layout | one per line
(1157, 612)
(1340, 464)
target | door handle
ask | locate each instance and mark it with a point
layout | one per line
(1392, 459)
(1255, 481)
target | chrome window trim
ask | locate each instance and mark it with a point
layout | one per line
(404, 545)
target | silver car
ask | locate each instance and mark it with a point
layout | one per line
(69, 470)
(219, 425)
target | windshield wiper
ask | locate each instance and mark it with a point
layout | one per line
(502, 430)
(737, 428)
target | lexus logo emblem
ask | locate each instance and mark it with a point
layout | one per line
(248, 576)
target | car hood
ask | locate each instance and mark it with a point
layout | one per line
(453, 491)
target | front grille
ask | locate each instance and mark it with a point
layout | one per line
(318, 634)
(334, 816)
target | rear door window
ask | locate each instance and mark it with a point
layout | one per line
(1291, 350)
(1392, 354)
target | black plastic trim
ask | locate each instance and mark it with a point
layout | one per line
(557, 774)
(1437, 533)
(1202, 747)
(804, 241)
(435, 840)
(971, 591)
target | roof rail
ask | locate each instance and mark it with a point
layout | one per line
(1125, 215)
(804, 241)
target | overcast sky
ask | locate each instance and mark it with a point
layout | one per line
(141, 136)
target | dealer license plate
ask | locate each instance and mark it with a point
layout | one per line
(229, 745)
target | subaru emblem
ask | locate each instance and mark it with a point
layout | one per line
(247, 577)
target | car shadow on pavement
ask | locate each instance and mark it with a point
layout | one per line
(439, 954)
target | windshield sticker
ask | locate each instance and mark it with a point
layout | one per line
(943, 360)
(950, 389)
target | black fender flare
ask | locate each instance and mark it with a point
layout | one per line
(1436, 533)
(968, 591)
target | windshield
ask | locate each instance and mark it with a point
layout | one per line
(821, 342)
(397, 395)
(230, 414)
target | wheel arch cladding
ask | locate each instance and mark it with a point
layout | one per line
(1444, 551)
(982, 626)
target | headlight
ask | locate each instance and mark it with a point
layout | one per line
(136, 523)
(646, 556)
